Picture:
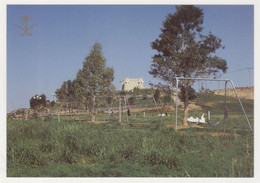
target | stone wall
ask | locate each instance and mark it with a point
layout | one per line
(129, 84)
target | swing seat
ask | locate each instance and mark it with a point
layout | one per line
(192, 119)
(193, 123)
(214, 124)
(196, 120)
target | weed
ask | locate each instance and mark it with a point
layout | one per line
(38, 148)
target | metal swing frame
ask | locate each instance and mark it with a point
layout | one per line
(125, 103)
(208, 79)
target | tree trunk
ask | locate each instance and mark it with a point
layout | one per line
(185, 114)
(95, 105)
(93, 115)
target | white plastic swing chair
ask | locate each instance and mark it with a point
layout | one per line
(195, 121)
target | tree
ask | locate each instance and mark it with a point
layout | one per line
(37, 102)
(61, 93)
(94, 79)
(184, 52)
(167, 92)
(191, 93)
(157, 94)
(131, 100)
(122, 93)
(67, 94)
(53, 103)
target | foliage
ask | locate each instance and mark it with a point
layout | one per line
(137, 91)
(38, 148)
(131, 100)
(38, 101)
(53, 103)
(122, 93)
(156, 94)
(184, 52)
(191, 93)
(109, 99)
(94, 79)
(76, 149)
(68, 91)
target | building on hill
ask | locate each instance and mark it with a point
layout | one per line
(129, 84)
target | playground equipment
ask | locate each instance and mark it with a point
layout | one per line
(196, 120)
(50, 114)
(178, 79)
(107, 108)
(127, 108)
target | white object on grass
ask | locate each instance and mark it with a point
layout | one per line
(195, 120)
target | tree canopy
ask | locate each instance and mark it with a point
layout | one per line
(94, 79)
(183, 51)
(37, 101)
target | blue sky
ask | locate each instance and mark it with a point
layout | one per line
(65, 34)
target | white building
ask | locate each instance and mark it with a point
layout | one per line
(129, 84)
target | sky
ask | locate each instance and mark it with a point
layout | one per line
(64, 35)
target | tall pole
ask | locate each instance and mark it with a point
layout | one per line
(126, 109)
(176, 107)
(120, 119)
(93, 118)
(234, 88)
(225, 106)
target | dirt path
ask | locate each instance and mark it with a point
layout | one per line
(98, 122)
(214, 134)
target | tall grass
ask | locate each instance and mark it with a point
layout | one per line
(40, 148)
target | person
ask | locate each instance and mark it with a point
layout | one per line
(128, 112)
(111, 113)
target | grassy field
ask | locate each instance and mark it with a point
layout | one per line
(71, 148)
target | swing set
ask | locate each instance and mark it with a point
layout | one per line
(121, 109)
(195, 121)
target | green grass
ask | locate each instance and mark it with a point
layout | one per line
(38, 148)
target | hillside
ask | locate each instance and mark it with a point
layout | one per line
(243, 92)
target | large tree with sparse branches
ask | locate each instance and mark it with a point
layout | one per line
(183, 51)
